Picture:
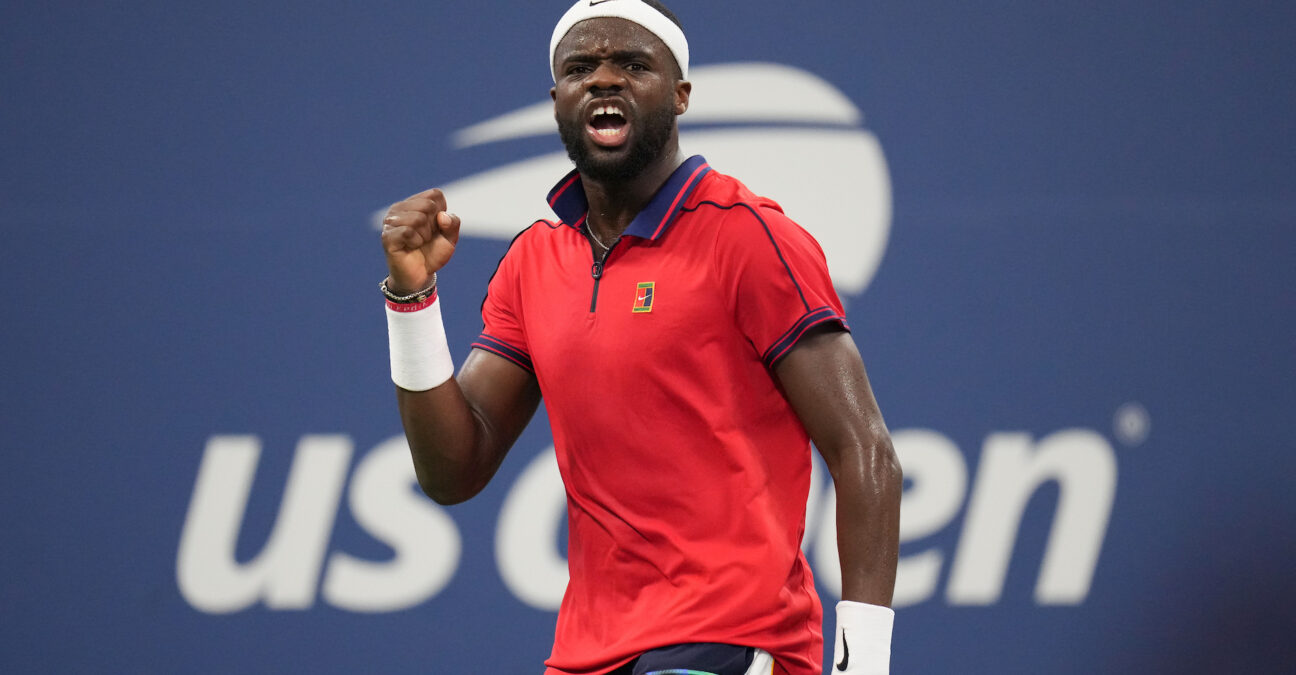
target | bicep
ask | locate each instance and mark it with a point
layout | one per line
(460, 431)
(502, 395)
(825, 382)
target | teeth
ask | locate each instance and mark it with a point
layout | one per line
(608, 110)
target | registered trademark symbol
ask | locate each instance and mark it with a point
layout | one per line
(1132, 424)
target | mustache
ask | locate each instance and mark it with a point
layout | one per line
(650, 133)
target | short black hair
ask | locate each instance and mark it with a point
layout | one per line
(665, 12)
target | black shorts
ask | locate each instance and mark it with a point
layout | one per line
(698, 658)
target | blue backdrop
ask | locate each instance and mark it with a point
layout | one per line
(1076, 299)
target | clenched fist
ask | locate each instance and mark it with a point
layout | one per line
(419, 237)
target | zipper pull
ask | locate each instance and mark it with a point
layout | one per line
(596, 270)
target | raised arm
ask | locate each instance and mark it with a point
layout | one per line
(459, 429)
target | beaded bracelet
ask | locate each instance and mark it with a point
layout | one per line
(415, 297)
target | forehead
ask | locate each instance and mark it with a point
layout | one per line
(609, 35)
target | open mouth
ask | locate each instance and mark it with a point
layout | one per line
(608, 125)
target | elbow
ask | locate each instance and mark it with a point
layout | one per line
(882, 470)
(871, 466)
(887, 462)
(446, 493)
(446, 480)
(445, 497)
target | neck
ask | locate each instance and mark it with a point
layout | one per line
(613, 204)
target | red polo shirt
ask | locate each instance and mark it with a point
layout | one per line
(686, 470)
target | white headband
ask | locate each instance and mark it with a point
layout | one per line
(630, 10)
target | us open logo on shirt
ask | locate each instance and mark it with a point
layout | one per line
(786, 133)
(643, 298)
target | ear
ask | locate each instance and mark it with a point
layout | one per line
(683, 89)
(553, 93)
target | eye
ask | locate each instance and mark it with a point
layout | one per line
(636, 67)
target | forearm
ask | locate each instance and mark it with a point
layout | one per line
(868, 485)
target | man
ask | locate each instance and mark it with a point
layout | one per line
(686, 338)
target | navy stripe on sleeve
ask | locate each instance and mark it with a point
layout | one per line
(788, 340)
(501, 348)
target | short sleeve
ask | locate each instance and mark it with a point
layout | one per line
(503, 333)
(777, 280)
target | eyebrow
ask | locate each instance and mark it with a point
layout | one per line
(618, 55)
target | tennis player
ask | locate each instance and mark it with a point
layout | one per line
(689, 346)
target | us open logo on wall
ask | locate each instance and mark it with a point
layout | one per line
(786, 133)
(789, 135)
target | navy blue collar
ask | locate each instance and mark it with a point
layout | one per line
(567, 199)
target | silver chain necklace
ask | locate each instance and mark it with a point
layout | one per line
(598, 241)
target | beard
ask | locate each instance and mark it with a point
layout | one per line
(649, 135)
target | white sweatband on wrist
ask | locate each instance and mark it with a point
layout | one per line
(630, 10)
(420, 355)
(863, 645)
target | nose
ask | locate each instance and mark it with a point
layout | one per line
(606, 77)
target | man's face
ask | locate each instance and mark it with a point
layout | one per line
(616, 99)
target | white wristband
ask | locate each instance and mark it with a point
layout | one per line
(420, 355)
(863, 645)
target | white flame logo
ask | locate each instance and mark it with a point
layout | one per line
(784, 132)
